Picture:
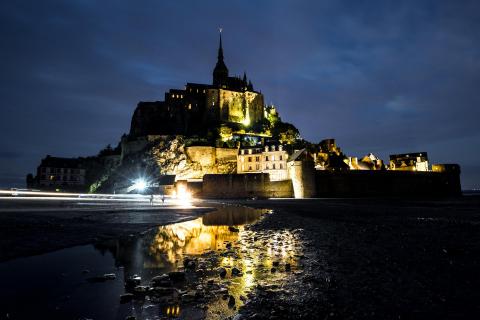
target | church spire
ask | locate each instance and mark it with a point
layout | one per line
(220, 73)
(220, 48)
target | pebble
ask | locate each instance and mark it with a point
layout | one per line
(109, 276)
(231, 301)
(236, 271)
(222, 272)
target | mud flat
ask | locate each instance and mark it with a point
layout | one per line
(377, 259)
(286, 259)
(208, 267)
(35, 227)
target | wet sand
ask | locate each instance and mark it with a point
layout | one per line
(358, 258)
(35, 227)
(378, 259)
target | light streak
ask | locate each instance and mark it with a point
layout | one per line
(11, 195)
(69, 194)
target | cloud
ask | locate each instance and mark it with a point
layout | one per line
(379, 76)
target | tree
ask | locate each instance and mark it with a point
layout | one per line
(285, 132)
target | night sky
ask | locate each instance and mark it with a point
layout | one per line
(379, 76)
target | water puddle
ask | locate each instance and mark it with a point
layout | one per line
(202, 268)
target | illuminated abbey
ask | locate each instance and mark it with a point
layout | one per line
(230, 101)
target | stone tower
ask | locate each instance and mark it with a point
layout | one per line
(220, 73)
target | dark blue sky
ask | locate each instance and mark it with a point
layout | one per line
(379, 76)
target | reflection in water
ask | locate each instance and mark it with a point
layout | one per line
(171, 311)
(218, 240)
(194, 237)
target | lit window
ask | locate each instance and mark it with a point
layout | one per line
(273, 157)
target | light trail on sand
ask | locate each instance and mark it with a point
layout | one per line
(66, 194)
(106, 198)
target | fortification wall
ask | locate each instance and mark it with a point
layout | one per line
(244, 186)
(204, 155)
(302, 174)
(387, 183)
(208, 156)
(226, 154)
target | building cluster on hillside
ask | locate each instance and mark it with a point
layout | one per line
(272, 159)
(57, 173)
(225, 128)
(269, 159)
(199, 108)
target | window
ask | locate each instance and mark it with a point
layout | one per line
(257, 159)
(243, 167)
(257, 167)
(249, 159)
(281, 166)
(281, 158)
(250, 168)
(266, 158)
(273, 166)
(273, 157)
(242, 159)
(266, 167)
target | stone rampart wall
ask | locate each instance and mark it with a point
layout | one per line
(387, 184)
(244, 186)
(226, 154)
(204, 155)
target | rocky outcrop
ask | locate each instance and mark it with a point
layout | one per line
(168, 155)
(172, 157)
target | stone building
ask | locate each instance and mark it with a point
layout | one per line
(269, 159)
(55, 172)
(409, 162)
(192, 111)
